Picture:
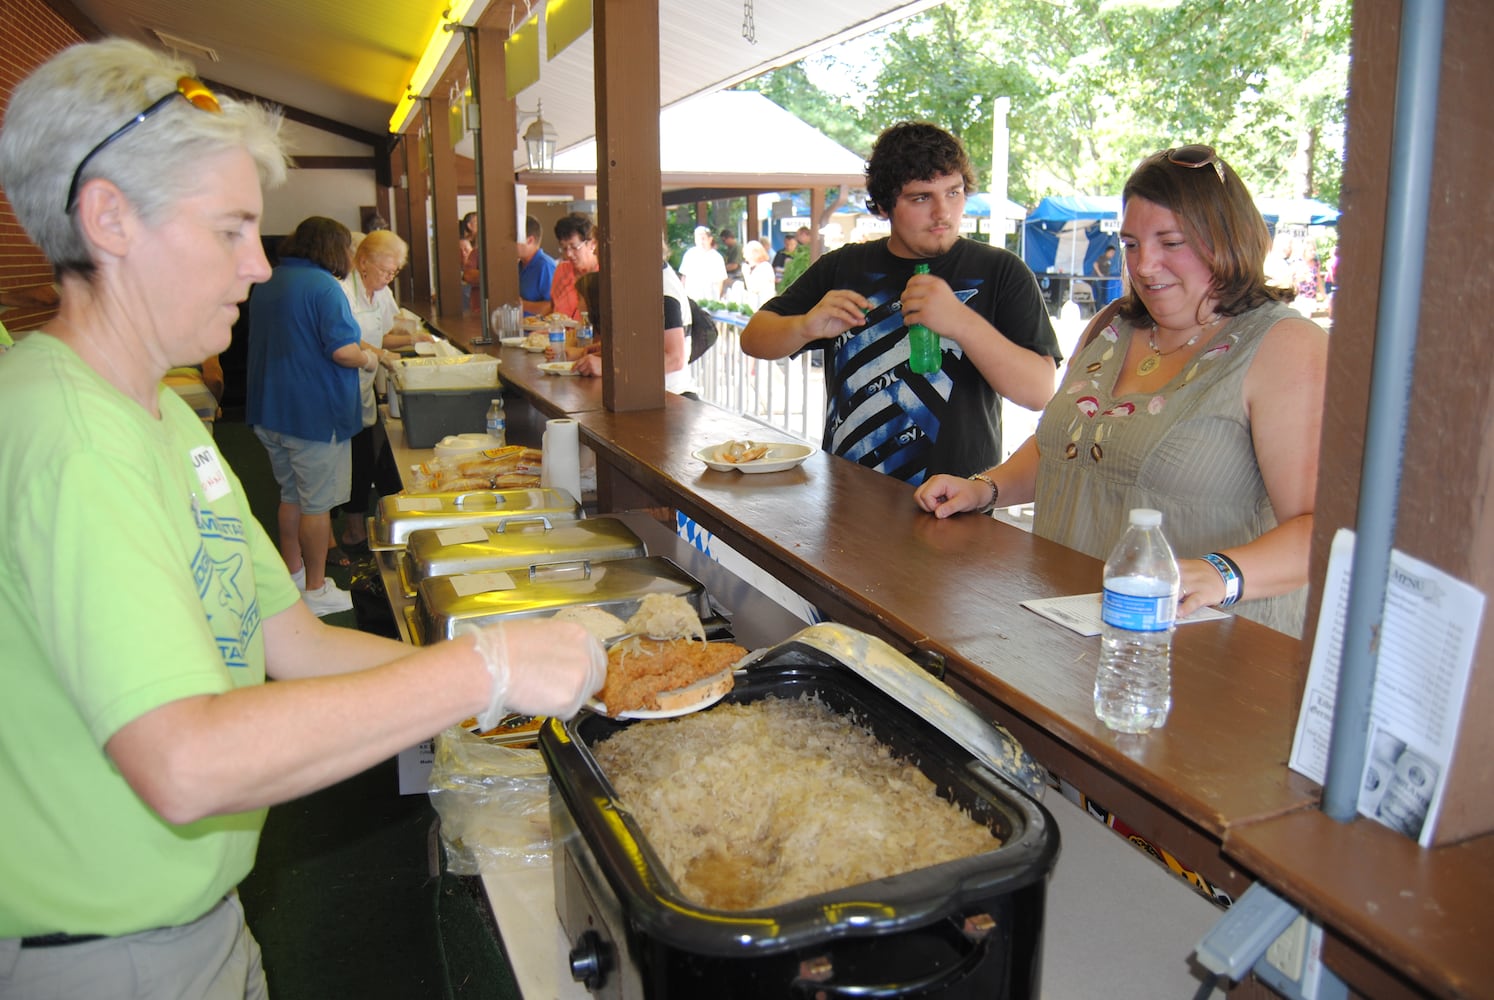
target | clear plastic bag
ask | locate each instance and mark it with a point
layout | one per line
(494, 803)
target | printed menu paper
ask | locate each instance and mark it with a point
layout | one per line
(1427, 638)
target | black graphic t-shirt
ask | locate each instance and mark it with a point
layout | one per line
(878, 411)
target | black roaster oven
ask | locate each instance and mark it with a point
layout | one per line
(970, 928)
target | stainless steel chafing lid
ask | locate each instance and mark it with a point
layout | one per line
(515, 544)
(616, 586)
(401, 514)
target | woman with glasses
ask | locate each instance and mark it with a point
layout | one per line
(1199, 393)
(142, 606)
(378, 258)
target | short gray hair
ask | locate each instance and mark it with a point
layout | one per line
(82, 94)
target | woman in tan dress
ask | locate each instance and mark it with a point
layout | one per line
(1201, 398)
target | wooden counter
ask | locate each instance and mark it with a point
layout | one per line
(1212, 786)
(1427, 915)
(954, 587)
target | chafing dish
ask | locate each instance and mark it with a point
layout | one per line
(401, 514)
(514, 544)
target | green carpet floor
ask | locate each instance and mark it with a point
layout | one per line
(349, 897)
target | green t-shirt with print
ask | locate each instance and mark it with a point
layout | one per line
(133, 574)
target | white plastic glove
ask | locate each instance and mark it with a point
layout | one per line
(538, 667)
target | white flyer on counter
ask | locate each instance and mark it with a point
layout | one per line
(1427, 639)
(1081, 612)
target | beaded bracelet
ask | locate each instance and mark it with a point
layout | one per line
(981, 477)
(1229, 570)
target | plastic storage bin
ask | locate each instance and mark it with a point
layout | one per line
(432, 414)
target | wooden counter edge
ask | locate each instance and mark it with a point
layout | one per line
(1419, 916)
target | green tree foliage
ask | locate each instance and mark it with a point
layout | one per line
(1097, 84)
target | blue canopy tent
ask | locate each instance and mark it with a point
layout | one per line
(979, 203)
(995, 217)
(1079, 217)
(1296, 211)
(1063, 235)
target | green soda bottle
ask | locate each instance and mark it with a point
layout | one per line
(924, 356)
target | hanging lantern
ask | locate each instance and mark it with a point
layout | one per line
(539, 142)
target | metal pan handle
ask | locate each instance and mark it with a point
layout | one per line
(461, 498)
(522, 520)
(576, 569)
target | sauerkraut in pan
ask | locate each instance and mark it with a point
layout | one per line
(666, 616)
(751, 806)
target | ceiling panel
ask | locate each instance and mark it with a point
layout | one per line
(350, 63)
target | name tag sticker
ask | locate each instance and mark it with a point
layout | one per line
(210, 474)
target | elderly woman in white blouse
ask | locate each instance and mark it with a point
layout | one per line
(379, 257)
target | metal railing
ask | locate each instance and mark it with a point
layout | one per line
(788, 394)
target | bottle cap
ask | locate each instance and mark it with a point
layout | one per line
(1146, 517)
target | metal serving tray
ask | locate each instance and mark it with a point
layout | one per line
(517, 543)
(617, 586)
(401, 514)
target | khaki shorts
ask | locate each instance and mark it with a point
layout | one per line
(313, 475)
(212, 958)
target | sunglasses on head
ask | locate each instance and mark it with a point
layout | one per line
(1195, 156)
(187, 88)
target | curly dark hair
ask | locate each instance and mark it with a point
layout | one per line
(576, 224)
(912, 151)
(325, 242)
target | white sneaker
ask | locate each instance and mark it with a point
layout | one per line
(328, 600)
(299, 578)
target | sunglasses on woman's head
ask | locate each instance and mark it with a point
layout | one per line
(187, 88)
(1195, 156)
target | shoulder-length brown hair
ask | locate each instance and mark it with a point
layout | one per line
(1221, 223)
(325, 242)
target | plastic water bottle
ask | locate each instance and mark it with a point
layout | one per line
(498, 423)
(583, 334)
(924, 356)
(1133, 684)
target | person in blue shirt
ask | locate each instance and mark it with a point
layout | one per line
(536, 271)
(305, 351)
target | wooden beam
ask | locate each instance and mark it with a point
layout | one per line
(380, 141)
(446, 264)
(629, 202)
(411, 206)
(497, 131)
(1444, 515)
(334, 163)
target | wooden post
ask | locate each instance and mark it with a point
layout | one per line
(413, 200)
(499, 137)
(408, 281)
(630, 204)
(1444, 515)
(447, 265)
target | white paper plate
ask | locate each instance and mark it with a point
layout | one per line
(513, 341)
(558, 367)
(535, 350)
(659, 713)
(781, 455)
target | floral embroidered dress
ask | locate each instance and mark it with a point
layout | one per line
(1185, 450)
